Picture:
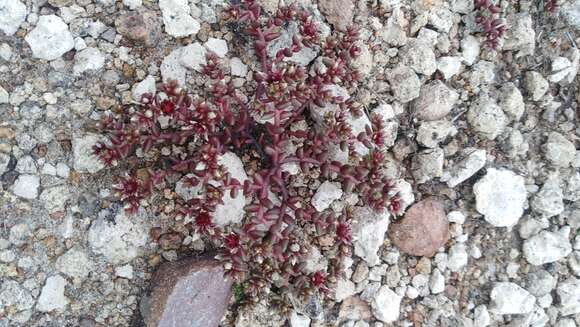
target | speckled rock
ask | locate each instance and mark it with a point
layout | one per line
(191, 292)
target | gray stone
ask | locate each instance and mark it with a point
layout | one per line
(536, 85)
(509, 298)
(4, 96)
(50, 39)
(191, 292)
(177, 18)
(546, 247)
(55, 198)
(427, 165)
(540, 283)
(172, 69)
(84, 160)
(435, 101)
(520, 35)
(431, 133)
(464, 169)
(486, 118)
(12, 15)
(571, 13)
(88, 59)
(500, 196)
(74, 263)
(395, 31)
(482, 73)
(569, 293)
(404, 83)
(12, 294)
(512, 101)
(549, 201)
(559, 151)
(52, 297)
(120, 241)
(420, 57)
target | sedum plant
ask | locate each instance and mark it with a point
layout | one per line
(175, 135)
(487, 18)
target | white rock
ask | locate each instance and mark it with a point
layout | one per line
(520, 35)
(52, 295)
(458, 257)
(427, 164)
(217, 46)
(298, 320)
(536, 85)
(431, 133)
(5, 51)
(470, 48)
(395, 31)
(500, 196)
(120, 241)
(177, 19)
(172, 69)
(540, 283)
(449, 66)
(84, 160)
(435, 101)
(133, 4)
(404, 83)
(420, 57)
(50, 39)
(4, 96)
(231, 211)
(486, 118)
(441, 18)
(386, 305)
(26, 186)
(368, 233)
(546, 247)
(238, 68)
(55, 198)
(125, 271)
(145, 86)
(4, 161)
(74, 263)
(466, 168)
(569, 293)
(193, 56)
(437, 282)
(12, 15)
(14, 295)
(88, 59)
(456, 217)
(549, 201)
(364, 62)
(481, 316)
(327, 193)
(509, 298)
(512, 101)
(559, 150)
(345, 288)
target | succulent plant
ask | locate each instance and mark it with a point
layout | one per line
(487, 18)
(274, 123)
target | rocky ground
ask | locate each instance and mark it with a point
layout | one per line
(487, 140)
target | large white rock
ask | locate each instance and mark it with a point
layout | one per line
(74, 263)
(172, 68)
(217, 46)
(177, 18)
(50, 39)
(12, 14)
(327, 193)
(52, 295)
(500, 196)
(193, 56)
(546, 247)
(369, 233)
(386, 305)
(231, 211)
(509, 298)
(145, 86)
(120, 241)
(26, 186)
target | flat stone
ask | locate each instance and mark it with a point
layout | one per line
(172, 69)
(327, 193)
(338, 12)
(193, 56)
(12, 15)
(509, 298)
(549, 201)
(141, 26)
(569, 293)
(146, 86)
(369, 233)
(500, 196)
(464, 169)
(435, 101)
(487, 118)
(190, 293)
(423, 229)
(52, 296)
(386, 305)
(88, 59)
(546, 247)
(26, 186)
(404, 83)
(217, 46)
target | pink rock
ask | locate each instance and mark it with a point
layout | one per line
(191, 292)
(423, 229)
